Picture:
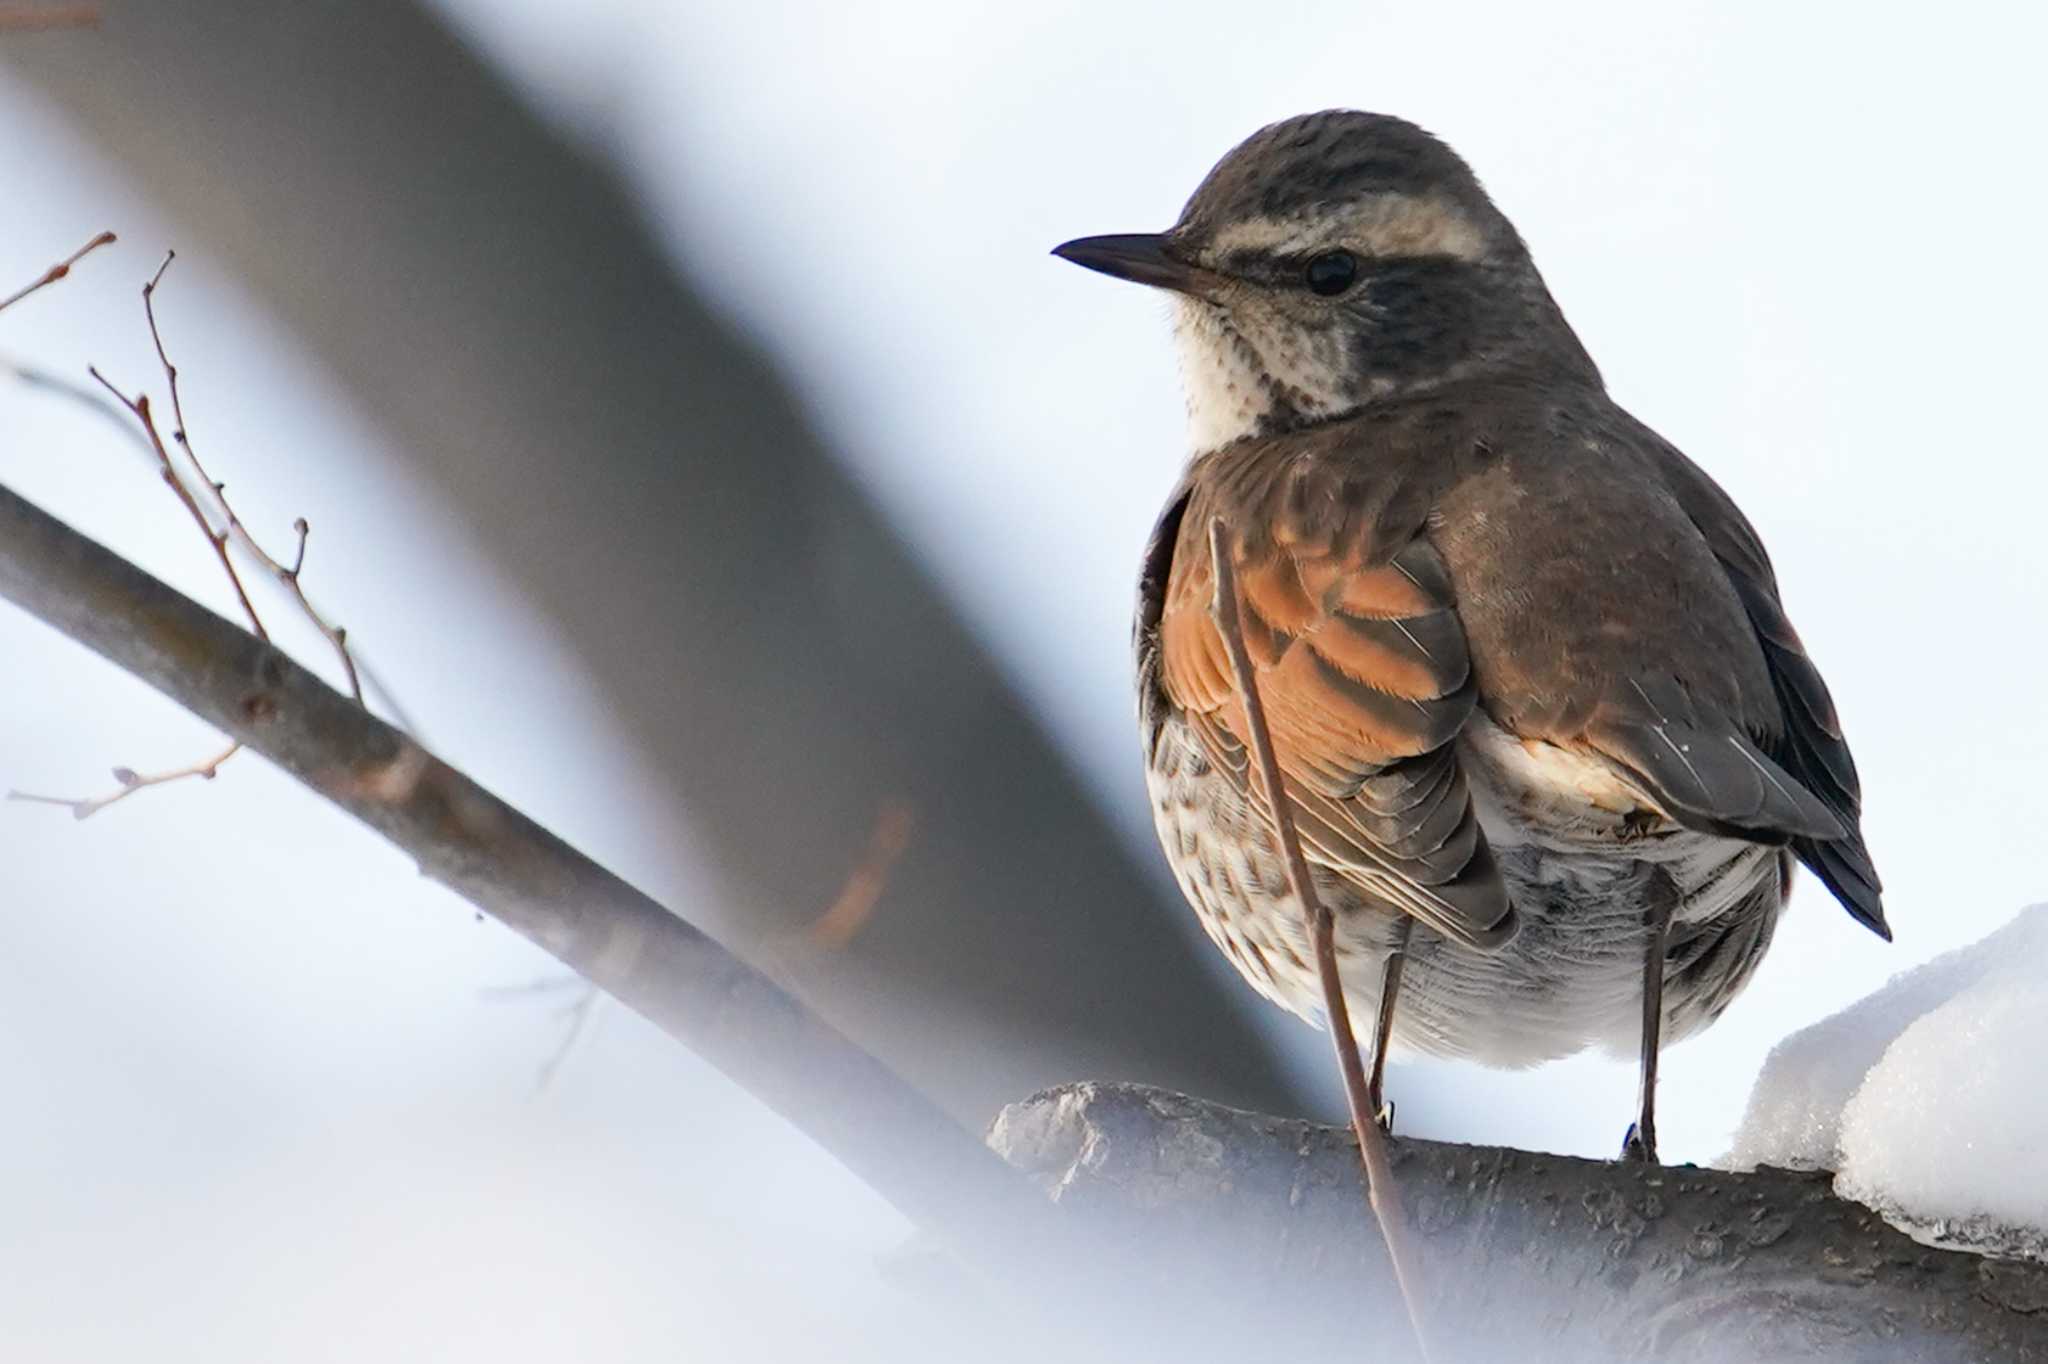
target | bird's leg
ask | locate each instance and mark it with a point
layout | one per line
(1383, 1028)
(1641, 1142)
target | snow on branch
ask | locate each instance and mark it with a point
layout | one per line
(1926, 1099)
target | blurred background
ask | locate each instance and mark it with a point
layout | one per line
(700, 442)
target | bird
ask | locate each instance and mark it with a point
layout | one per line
(1549, 740)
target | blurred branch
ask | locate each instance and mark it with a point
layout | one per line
(579, 1013)
(511, 868)
(849, 913)
(42, 18)
(91, 399)
(1529, 1257)
(492, 296)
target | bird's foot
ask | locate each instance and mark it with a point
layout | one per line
(1640, 1145)
(1384, 1116)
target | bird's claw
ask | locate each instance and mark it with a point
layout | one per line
(1638, 1147)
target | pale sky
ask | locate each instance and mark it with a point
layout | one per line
(1801, 242)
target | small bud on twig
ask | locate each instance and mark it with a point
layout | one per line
(62, 267)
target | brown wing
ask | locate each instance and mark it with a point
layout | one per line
(1811, 747)
(1704, 769)
(1362, 665)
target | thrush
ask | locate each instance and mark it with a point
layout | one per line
(1550, 742)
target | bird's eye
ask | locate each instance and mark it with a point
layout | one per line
(1332, 273)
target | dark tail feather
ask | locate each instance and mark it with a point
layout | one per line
(1845, 868)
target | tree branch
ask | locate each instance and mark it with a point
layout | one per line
(509, 867)
(1528, 1257)
(1215, 1219)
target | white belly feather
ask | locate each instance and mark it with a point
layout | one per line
(1575, 864)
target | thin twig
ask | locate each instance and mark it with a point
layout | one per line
(1372, 1145)
(533, 989)
(62, 267)
(47, 18)
(129, 781)
(138, 407)
(374, 681)
(335, 635)
(579, 1011)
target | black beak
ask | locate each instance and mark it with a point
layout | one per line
(1141, 257)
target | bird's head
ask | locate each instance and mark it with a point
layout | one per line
(1332, 261)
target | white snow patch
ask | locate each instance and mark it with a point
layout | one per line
(1948, 1133)
(1927, 1099)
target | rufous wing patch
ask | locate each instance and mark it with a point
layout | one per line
(1365, 677)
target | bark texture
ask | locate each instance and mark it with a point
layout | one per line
(1259, 1224)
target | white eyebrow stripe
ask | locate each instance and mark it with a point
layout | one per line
(1378, 225)
(1277, 235)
